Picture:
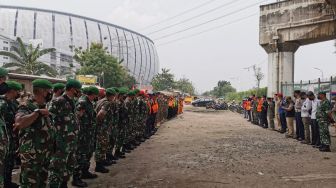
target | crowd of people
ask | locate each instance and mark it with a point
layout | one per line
(305, 117)
(57, 130)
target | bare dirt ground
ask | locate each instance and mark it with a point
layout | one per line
(220, 149)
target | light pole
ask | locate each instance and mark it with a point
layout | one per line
(320, 71)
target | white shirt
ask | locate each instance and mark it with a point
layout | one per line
(315, 104)
(306, 107)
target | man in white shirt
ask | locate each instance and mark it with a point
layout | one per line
(305, 114)
(314, 125)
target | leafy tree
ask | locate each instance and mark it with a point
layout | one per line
(185, 85)
(26, 57)
(163, 80)
(96, 61)
(223, 87)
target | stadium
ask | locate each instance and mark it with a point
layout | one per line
(65, 32)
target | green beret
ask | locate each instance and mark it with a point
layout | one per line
(322, 93)
(116, 89)
(110, 91)
(131, 93)
(91, 90)
(58, 86)
(3, 72)
(42, 83)
(14, 85)
(136, 91)
(73, 84)
(123, 91)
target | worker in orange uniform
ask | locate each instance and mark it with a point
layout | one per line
(259, 109)
(248, 108)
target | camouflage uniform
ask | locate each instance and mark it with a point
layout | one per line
(36, 143)
(122, 124)
(143, 111)
(104, 128)
(3, 149)
(323, 121)
(8, 110)
(62, 111)
(114, 126)
(86, 134)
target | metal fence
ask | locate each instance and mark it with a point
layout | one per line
(326, 85)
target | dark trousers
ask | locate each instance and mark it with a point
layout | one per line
(245, 114)
(283, 121)
(263, 119)
(249, 115)
(315, 129)
(299, 126)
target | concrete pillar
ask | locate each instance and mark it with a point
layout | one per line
(280, 67)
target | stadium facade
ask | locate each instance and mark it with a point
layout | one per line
(65, 32)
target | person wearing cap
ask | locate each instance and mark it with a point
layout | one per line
(323, 116)
(276, 112)
(87, 132)
(58, 89)
(271, 112)
(3, 78)
(315, 130)
(36, 135)
(62, 111)
(104, 125)
(143, 114)
(8, 109)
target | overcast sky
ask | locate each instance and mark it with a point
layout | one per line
(221, 54)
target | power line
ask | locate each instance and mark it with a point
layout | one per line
(194, 17)
(180, 14)
(209, 21)
(208, 30)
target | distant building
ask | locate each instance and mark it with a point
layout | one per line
(65, 32)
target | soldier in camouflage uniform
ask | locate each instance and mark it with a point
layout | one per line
(58, 90)
(62, 110)
(8, 109)
(114, 128)
(130, 106)
(143, 113)
(323, 119)
(87, 132)
(122, 123)
(36, 136)
(104, 127)
(3, 132)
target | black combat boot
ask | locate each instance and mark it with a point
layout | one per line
(325, 148)
(110, 158)
(86, 174)
(77, 182)
(64, 184)
(100, 168)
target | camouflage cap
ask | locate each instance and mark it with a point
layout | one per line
(322, 93)
(14, 85)
(3, 72)
(58, 86)
(73, 84)
(42, 83)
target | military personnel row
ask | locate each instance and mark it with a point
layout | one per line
(61, 127)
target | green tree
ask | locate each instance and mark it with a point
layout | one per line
(26, 57)
(96, 61)
(223, 87)
(163, 80)
(185, 85)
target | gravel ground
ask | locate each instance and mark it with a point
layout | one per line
(204, 148)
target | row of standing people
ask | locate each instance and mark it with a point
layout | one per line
(306, 117)
(61, 127)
